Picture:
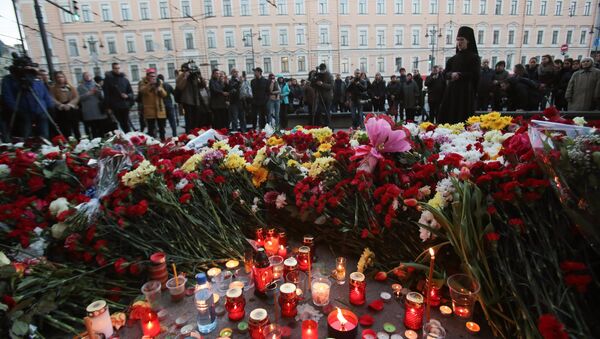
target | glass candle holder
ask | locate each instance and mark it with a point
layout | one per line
(259, 236)
(303, 258)
(282, 238)
(413, 311)
(272, 242)
(235, 304)
(358, 286)
(320, 290)
(277, 264)
(221, 283)
(309, 241)
(434, 296)
(273, 331)
(463, 291)
(342, 323)
(248, 260)
(246, 277)
(270, 292)
(288, 300)
(339, 274)
(434, 330)
(298, 278)
(290, 264)
(176, 288)
(100, 316)
(152, 292)
(310, 329)
(258, 320)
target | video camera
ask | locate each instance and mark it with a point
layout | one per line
(23, 69)
(193, 68)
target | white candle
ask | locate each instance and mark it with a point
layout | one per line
(320, 292)
(100, 316)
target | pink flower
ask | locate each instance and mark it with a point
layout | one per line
(280, 201)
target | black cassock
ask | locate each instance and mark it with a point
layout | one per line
(459, 97)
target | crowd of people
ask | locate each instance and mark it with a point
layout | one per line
(232, 101)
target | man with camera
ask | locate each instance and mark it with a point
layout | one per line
(357, 89)
(322, 83)
(193, 96)
(152, 93)
(119, 95)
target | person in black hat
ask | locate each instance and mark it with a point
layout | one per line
(462, 74)
(260, 97)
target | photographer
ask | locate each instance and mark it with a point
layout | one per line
(91, 99)
(66, 100)
(355, 92)
(152, 93)
(193, 96)
(119, 95)
(322, 83)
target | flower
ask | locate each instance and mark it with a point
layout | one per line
(366, 260)
(259, 174)
(280, 201)
(191, 163)
(325, 147)
(58, 206)
(427, 219)
(551, 328)
(234, 162)
(58, 230)
(579, 121)
(320, 165)
(321, 134)
(4, 171)
(138, 175)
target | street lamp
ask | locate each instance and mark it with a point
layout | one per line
(91, 42)
(251, 37)
(434, 33)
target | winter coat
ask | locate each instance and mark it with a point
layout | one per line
(285, 94)
(217, 98)
(114, 85)
(356, 90)
(189, 89)
(90, 102)
(296, 94)
(394, 88)
(260, 95)
(339, 91)
(27, 102)
(377, 89)
(532, 72)
(411, 94)
(546, 74)
(168, 99)
(152, 99)
(583, 91)
(486, 79)
(418, 79)
(233, 88)
(435, 88)
(326, 89)
(66, 95)
(519, 93)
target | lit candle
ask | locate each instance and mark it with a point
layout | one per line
(310, 329)
(272, 242)
(413, 311)
(320, 291)
(445, 311)
(303, 258)
(339, 273)
(473, 327)
(429, 280)
(235, 304)
(212, 273)
(288, 300)
(290, 264)
(282, 251)
(277, 264)
(410, 334)
(150, 325)
(342, 324)
(258, 320)
(232, 265)
(397, 289)
(260, 237)
(100, 318)
(358, 287)
(236, 284)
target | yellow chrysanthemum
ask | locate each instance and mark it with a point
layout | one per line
(321, 134)
(191, 163)
(274, 141)
(307, 164)
(260, 157)
(234, 162)
(473, 120)
(320, 165)
(424, 125)
(437, 201)
(366, 260)
(138, 175)
(221, 145)
(259, 174)
(455, 128)
(317, 154)
(293, 163)
(325, 147)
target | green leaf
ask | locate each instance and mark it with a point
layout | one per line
(3, 307)
(19, 328)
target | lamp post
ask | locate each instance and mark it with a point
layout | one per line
(91, 42)
(434, 33)
(251, 37)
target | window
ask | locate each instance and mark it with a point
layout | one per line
(168, 42)
(362, 6)
(509, 60)
(211, 39)
(163, 8)
(208, 8)
(511, 37)
(496, 37)
(282, 7)
(450, 9)
(152, 66)
(267, 64)
(380, 7)
(482, 7)
(363, 64)
(543, 7)
(554, 37)
(283, 37)
(214, 64)
(92, 47)
(363, 37)
(171, 70)
(415, 62)
(466, 6)
(498, 8)
(247, 38)
(558, 9)
(265, 35)
(540, 37)
(263, 7)
(480, 36)
(323, 7)
(301, 64)
(149, 43)
(230, 65)
(525, 37)
(285, 64)
(398, 36)
(130, 42)
(398, 63)
(345, 65)
(299, 7)
(144, 11)
(344, 37)
(573, 8)
(229, 39)
(227, 8)
(186, 9)
(66, 17)
(569, 39)
(582, 37)
(300, 36)
(398, 6)
(125, 12)
(249, 65)
(380, 65)
(86, 13)
(135, 72)
(78, 74)
(514, 4)
(105, 10)
(528, 7)
(416, 6)
(433, 6)
(416, 36)
(380, 36)
(523, 59)
(189, 40)
(73, 50)
(587, 8)
(323, 35)
(244, 7)
(494, 60)
(112, 45)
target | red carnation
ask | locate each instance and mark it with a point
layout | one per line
(493, 236)
(579, 281)
(219, 180)
(551, 328)
(120, 266)
(568, 266)
(184, 199)
(35, 183)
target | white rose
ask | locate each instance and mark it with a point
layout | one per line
(58, 230)
(58, 206)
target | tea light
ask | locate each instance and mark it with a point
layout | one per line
(410, 334)
(397, 289)
(277, 264)
(282, 252)
(150, 325)
(310, 329)
(212, 273)
(236, 284)
(320, 291)
(232, 265)
(162, 314)
(242, 327)
(358, 287)
(473, 327)
(226, 332)
(342, 324)
(382, 335)
(385, 296)
(446, 311)
(339, 274)
(100, 318)
(187, 329)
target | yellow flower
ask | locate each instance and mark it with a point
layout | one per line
(307, 165)
(320, 165)
(138, 175)
(260, 157)
(259, 174)
(317, 154)
(455, 128)
(321, 134)
(191, 163)
(424, 125)
(293, 163)
(473, 120)
(234, 162)
(366, 260)
(274, 141)
(221, 145)
(325, 147)
(437, 201)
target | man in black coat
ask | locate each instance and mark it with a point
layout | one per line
(562, 81)
(356, 89)
(339, 94)
(322, 83)
(500, 74)
(218, 100)
(519, 93)
(532, 69)
(118, 95)
(260, 97)
(394, 96)
(237, 117)
(435, 91)
(377, 93)
(484, 93)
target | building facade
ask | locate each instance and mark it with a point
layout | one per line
(291, 37)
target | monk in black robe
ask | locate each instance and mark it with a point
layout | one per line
(462, 77)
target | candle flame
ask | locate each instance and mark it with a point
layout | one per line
(340, 317)
(431, 252)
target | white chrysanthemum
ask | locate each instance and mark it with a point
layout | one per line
(4, 171)
(49, 149)
(579, 121)
(446, 188)
(58, 206)
(412, 128)
(181, 184)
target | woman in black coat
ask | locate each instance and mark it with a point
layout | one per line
(462, 76)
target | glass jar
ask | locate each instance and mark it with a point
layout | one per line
(288, 300)
(309, 241)
(434, 295)
(358, 286)
(257, 322)
(290, 264)
(303, 258)
(413, 311)
(260, 237)
(235, 304)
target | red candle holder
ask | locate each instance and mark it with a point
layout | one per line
(413, 311)
(290, 264)
(282, 238)
(257, 322)
(260, 237)
(235, 304)
(272, 242)
(310, 329)
(342, 324)
(150, 325)
(358, 287)
(303, 258)
(158, 269)
(288, 300)
(263, 272)
(309, 241)
(434, 297)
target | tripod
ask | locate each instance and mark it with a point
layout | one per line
(28, 88)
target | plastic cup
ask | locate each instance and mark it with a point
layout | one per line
(177, 291)
(276, 262)
(463, 291)
(246, 277)
(298, 278)
(320, 290)
(222, 281)
(152, 292)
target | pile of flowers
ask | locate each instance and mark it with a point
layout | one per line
(397, 189)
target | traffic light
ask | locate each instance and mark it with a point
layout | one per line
(75, 10)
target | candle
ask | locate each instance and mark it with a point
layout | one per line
(248, 260)
(277, 264)
(445, 311)
(288, 300)
(309, 241)
(303, 258)
(263, 272)
(342, 324)
(310, 329)
(358, 287)
(235, 304)
(413, 311)
(232, 265)
(410, 334)
(290, 264)
(260, 237)
(339, 274)
(429, 280)
(256, 324)
(158, 269)
(282, 252)
(212, 273)
(435, 296)
(320, 291)
(397, 288)
(272, 242)
(273, 331)
(150, 325)
(473, 327)
(100, 318)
